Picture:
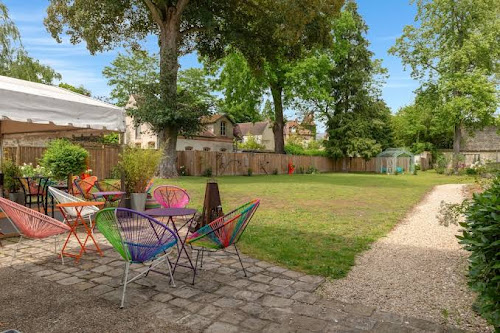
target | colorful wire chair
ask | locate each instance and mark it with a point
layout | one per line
(223, 232)
(85, 186)
(171, 196)
(138, 238)
(32, 224)
(63, 197)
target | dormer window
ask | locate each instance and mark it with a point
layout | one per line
(223, 128)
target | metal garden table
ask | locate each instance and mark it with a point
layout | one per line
(170, 213)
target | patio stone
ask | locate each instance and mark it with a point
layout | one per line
(70, 280)
(101, 269)
(387, 327)
(261, 278)
(185, 292)
(307, 323)
(211, 312)
(241, 283)
(114, 272)
(303, 286)
(83, 285)
(311, 279)
(253, 309)
(162, 297)
(246, 295)
(100, 289)
(280, 315)
(422, 324)
(226, 302)
(362, 323)
(219, 327)
(281, 282)
(254, 324)
(280, 291)
(232, 316)
(71, 270)
(227, 290)
(260, 287)
(226, 270)
(276, 269)
(195, 322)
(359, 309)
(254, 269)
(292, 274)
(305, 297)
(276, 302)
(263, 264)
(57, 276)
(80, 273)
(45, 272)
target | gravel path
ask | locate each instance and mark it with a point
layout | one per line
(417, 270)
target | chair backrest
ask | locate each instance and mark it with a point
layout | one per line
(171, 196)
(135, 236)
(227, 229)
(30, 223)
(85, 186)
(63, 197)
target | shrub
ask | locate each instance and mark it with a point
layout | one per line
(63, 158)
(312, 170)
(10, 171)
(138, 167)
(275, 171)
(249, 172)
(251, 144)
(481, 238)
(207, 172)
(183, 171)
(442, 163)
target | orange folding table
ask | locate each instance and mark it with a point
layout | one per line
(73, 224)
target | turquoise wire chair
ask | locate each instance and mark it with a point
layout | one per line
(138, 238)
(223, 232)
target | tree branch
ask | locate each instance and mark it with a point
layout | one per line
(155, 12)
(193, 30)
(181, 5)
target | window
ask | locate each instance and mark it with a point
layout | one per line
(188, 148)
(206, 148)
(138, 132)
(293, 130)
(151, 144)
(223, 128)
(137, 145)
(223, 149)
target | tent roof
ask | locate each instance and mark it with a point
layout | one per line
(47, 107)
(395, 152)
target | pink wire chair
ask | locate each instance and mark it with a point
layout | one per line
(32, 224)
(171, 196)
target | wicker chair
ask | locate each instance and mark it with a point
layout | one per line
(223, 232)
(138, 238)
(32, 224)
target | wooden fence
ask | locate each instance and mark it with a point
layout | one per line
(104, 158)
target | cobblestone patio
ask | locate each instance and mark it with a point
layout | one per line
(271, 299)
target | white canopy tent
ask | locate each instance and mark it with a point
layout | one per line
(33, 107)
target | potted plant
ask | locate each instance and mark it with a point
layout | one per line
(138, 166)
(63, 159)
(11, 185)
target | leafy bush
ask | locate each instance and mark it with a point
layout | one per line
(63, 158)
(275, 171)
(442, 163)
(183, 171)
(138, 167)
(251, 144)
(27, 170)
(10, 171)
(481, 237)
(312, 170)
(249, 172)
(111, 138)
(207, 172)
(293, 148)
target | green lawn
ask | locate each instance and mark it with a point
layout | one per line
(317, 223)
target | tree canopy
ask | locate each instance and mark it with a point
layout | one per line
(14, 60)
(453, 50)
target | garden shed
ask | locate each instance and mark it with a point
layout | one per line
(395, 161)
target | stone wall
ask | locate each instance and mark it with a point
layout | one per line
(485, 140)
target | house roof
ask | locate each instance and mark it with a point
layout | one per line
(257, 128)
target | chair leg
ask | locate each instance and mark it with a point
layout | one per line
(127, 266)
(16, 249)
(170, 272)
(202, 252)
(196, 265)
(241, 262)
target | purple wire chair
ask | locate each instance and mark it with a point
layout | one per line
(171, 196)
(138, 238)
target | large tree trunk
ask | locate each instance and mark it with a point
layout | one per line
(457, 138)
(169, 66)
(279, 141)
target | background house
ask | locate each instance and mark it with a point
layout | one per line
(261, 131)
(482, 146)
(304, 130)
(219, 134)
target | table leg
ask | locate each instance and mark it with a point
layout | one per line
(89, 233)
(183, 248)
(72, 231)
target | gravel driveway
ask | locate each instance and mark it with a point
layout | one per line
(417, 270)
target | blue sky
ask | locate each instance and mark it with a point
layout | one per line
(385, 18)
